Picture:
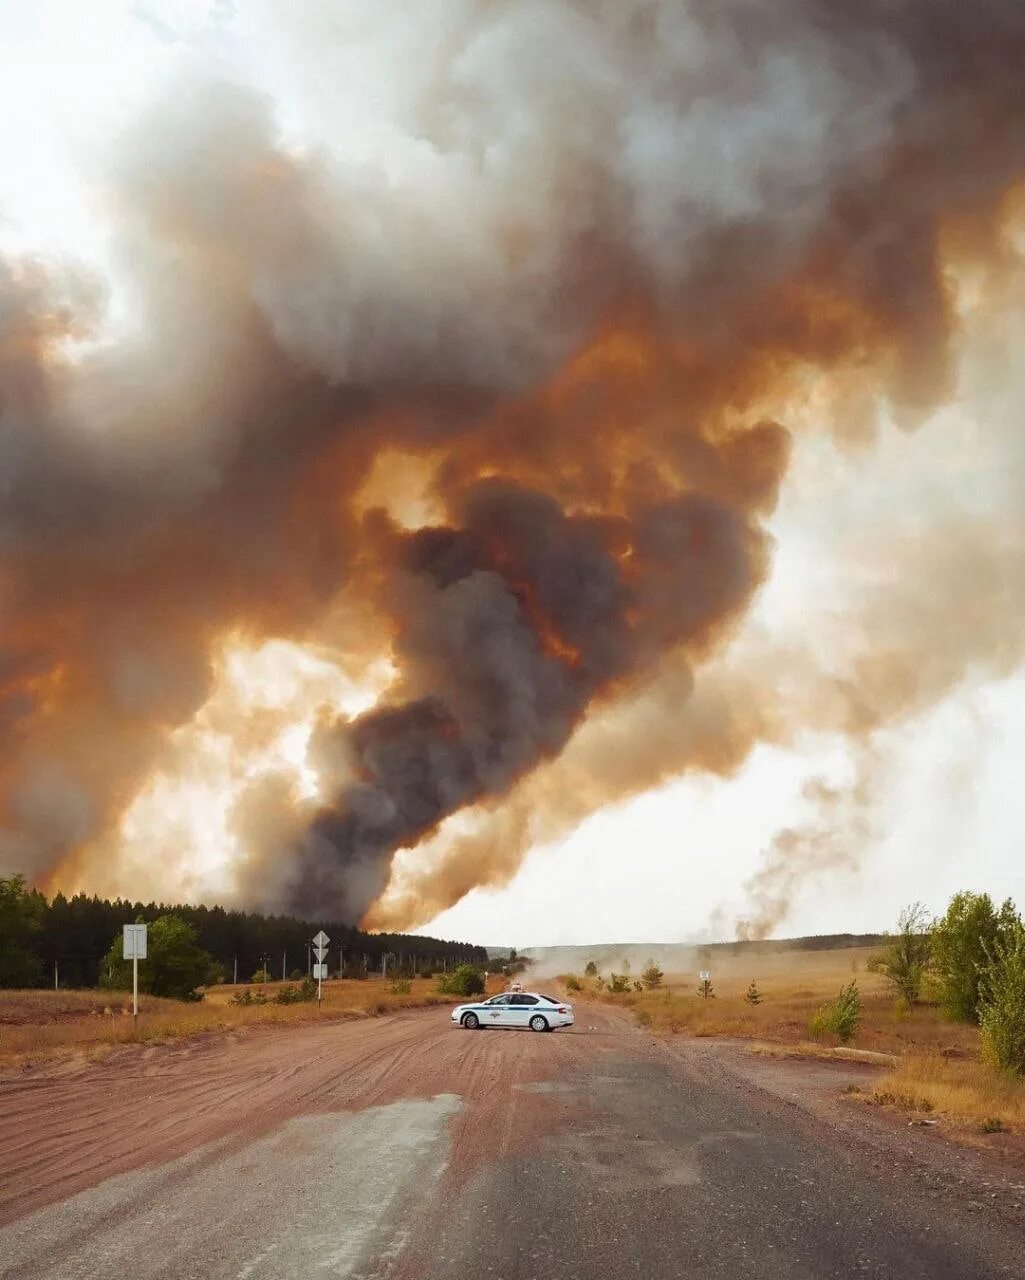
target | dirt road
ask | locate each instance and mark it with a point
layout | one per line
(403, 1149)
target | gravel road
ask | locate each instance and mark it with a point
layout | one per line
(403, 1149)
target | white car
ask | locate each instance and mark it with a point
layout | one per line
(515, 1009)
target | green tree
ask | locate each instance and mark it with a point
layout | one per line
(1002, 1002)
(840, 1017)
(905, 958)
(962, 942)
(19, 925)
(464, 980)
(652, 976)
(175, 964)
(590, 969)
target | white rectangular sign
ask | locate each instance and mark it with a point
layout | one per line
(320, 971)
(704, 975)
(135, 942)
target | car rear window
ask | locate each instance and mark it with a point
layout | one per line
(550, 1000)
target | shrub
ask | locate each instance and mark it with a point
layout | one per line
(840, 1017)
(1002, 1002)
(175, 964)
(752, 995)
(305, 991)
(652, 976)
(261, 975)
(573, 983)
(400, 987)
(463, 981)
(618, 983)
(906, 957)
(962, 943)
(248, 997)
(638, 986)
(590, 969)
(643, 1017)
(706, 990)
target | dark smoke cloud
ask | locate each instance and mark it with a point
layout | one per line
(587, 246)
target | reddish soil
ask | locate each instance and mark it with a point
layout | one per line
(66, 1128)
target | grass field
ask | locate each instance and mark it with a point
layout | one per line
(935, 1061)
(39, 1025)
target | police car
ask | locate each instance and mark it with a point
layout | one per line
(515, 1009)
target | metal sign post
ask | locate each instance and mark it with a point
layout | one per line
(320, 968)
(135, 950)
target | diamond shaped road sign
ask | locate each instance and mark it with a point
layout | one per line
(320, 952)
(321, 940)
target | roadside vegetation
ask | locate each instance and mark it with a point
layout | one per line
(38, 1025)
(182, 985)
(942, 1001)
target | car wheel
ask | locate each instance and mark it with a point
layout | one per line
(471, 1022)
(537, 1023)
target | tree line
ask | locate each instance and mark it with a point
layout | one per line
(70, 939)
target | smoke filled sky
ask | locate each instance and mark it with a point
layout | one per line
(541, 472)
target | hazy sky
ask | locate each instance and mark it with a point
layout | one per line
(945, 806)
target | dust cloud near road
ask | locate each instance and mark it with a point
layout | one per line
(405, 1149)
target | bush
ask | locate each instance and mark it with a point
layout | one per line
(1002, 1003)
(752, 995)
(618, 983)
(248, 997)
(962, 943)
(590, 969)
(706, 990)
(652, 976)
(305, 991)
(261, 975)
(400, 987)
(175, 964)
(573, 983)
(906, 956)
(840, 1018)
(463, 981)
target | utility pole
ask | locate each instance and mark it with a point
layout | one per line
(234, 980)
(309, 960)
(55, 982)
(284, 957)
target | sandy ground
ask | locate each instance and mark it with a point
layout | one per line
(403, 1147)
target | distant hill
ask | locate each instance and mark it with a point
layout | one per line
(678, 957)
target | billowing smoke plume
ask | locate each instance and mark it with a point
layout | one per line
(572, 257)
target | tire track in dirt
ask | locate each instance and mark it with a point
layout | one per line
(63, 1130)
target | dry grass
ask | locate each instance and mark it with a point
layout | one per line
(935, 1064)
(39, 1025)
(973, 1093)
(793, 986)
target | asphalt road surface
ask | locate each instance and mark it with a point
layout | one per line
(404, 1149)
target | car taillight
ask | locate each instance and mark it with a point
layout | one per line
(562, 1009)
